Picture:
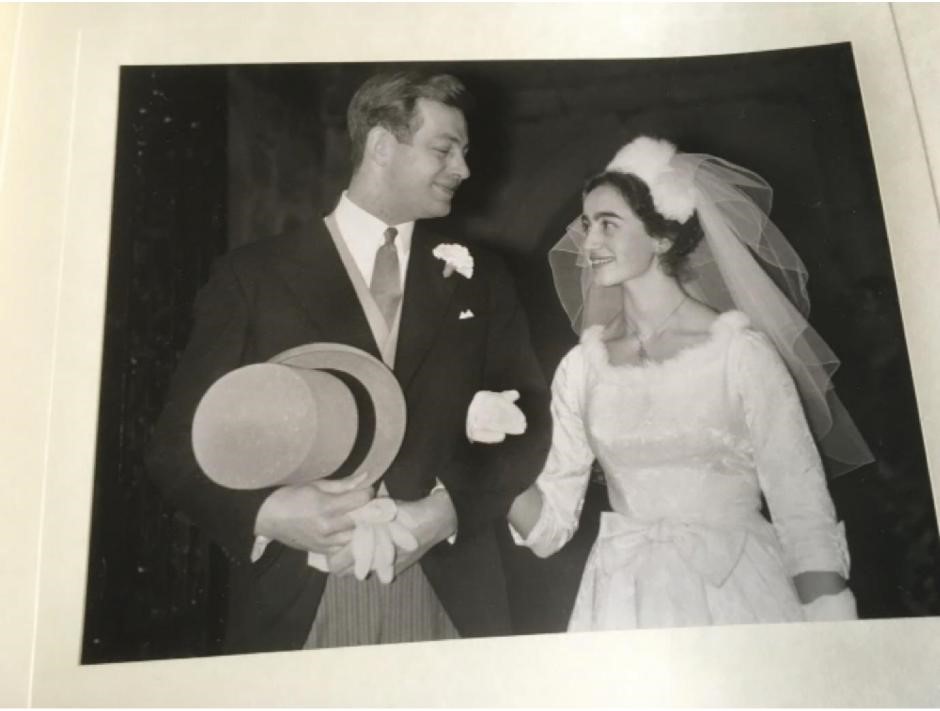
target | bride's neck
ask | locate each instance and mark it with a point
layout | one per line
(650, 300)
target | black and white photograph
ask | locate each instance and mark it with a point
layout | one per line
(634, 358)
(413, 360)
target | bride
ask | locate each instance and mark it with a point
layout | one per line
(689, 387)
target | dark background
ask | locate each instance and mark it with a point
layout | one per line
(210, 157)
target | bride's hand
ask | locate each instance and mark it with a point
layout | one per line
(831, 608)
(825, 596)
(812, 584)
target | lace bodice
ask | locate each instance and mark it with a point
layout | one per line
(696, 438)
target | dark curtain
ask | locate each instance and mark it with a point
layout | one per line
(154, 582)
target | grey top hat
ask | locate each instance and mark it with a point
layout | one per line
(299, 418)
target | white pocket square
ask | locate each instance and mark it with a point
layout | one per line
(466, 313)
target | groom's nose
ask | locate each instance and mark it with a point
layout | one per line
(459, 167)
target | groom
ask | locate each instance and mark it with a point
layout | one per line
(452, 339)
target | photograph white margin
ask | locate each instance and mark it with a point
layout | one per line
(58, 96)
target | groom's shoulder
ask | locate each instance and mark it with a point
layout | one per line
(285, 244)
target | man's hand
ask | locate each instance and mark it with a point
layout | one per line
(491, 416)
(309, 519)
(377, 536)
(430, 520)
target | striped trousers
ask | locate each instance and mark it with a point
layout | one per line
(354, 612)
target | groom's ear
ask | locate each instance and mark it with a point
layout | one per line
(379, 145)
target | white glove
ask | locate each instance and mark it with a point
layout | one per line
(830, 608)
(491, 416)
(379, 529)
(377, 534)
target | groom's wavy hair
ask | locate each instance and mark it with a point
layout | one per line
(683, 237)
(390, 100)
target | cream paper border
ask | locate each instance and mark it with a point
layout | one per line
(57, 182)
(919, 30)
(27, 353)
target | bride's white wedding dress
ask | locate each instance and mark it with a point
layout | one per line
(688, 446)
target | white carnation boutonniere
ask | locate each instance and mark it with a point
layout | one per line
(456, 257)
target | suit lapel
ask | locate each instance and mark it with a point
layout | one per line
(427, 296)
(312, 270)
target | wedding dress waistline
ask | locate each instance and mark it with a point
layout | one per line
(709, 547)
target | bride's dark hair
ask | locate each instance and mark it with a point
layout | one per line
(683, 236)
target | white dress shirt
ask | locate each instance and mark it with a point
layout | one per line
(364, 233)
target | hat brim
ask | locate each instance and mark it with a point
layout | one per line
(388, 403)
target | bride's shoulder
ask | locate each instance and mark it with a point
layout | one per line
(592, 334)
(592, 347)
(741, 338)
(731, 323)
(703, 324)
(588, 354)
(572, 370)
(746, 342)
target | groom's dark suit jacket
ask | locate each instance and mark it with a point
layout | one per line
(292, 289)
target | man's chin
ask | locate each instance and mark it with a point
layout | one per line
(439, 209)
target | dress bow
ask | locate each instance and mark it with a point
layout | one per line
(710, 550)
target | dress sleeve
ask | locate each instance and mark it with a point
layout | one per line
(788, 464)
(563, 480)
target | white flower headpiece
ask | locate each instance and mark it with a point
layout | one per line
(651, 160)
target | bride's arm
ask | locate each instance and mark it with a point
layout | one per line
(525, 511)
(793, 480)
(545, 516)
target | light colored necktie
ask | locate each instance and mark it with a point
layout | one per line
(386, 277)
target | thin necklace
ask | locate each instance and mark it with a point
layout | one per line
(642, 352)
